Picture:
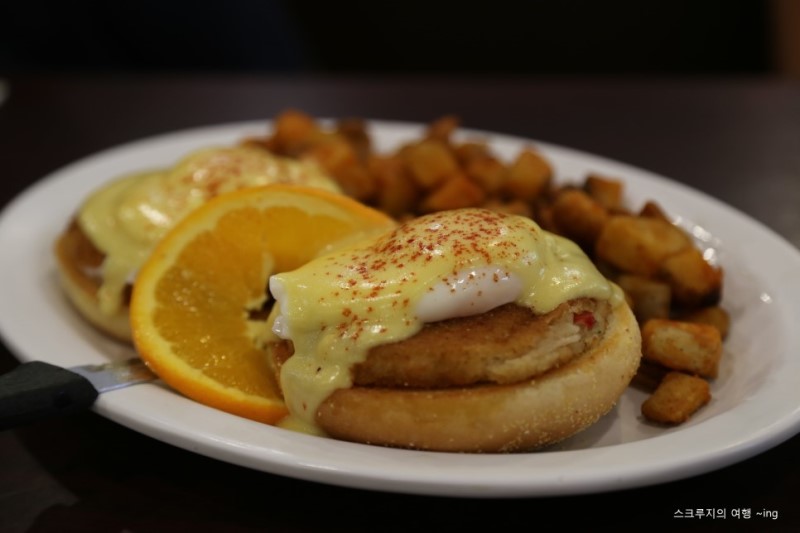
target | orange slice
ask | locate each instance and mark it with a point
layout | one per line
(194, 299)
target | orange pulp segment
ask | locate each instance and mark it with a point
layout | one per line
(194, 298)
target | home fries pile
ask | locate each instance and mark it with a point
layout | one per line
(670, 286)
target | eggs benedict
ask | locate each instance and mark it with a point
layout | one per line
(465, 330)
(118, 225)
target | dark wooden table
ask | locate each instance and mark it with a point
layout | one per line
(738, 140)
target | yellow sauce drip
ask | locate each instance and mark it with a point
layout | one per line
(126, 218)
(340, 305)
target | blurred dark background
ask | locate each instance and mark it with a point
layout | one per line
(570, 37)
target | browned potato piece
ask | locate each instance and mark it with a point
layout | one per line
(528, 176)
(442, 128)
(677, 398)
(579, 217)
(639, 245)
(333, 153)
(512, 207)
(652, 210)
(356, 182)
(354, 130)
(605, 191)
(651, 298)
(713, 316)
(487, 172)
(397, 193)
(338, 157)
(456, 192)
(687, 346)
(430, 162)
(693, 280)
(543, 215)
(293, 131)
(470, 151)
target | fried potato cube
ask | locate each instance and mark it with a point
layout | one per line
(528, 176)
(397, 193)
(356, 182)
(443, 127)
(293, 131)
(333, 153)
(430, 162)
(579, 217)
(488, 172)
(686, 346)
(354, 130)
(470, 151)
(456, 192)
(693, 280)
(714, 316)
(651, 298)
(639, 245)
(511, 207)
(605, 191)
(651, 209)
(338, 157)
(677, 398)
(543, 215)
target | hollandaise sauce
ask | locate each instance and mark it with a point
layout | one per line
(444, 265)
(126, 219)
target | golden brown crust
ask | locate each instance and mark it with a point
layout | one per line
(504, 345)
(493, 418)
(76, 256)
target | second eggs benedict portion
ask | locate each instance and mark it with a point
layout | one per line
(119, 224)
(455, 331)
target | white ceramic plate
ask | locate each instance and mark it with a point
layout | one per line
(756, 402)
